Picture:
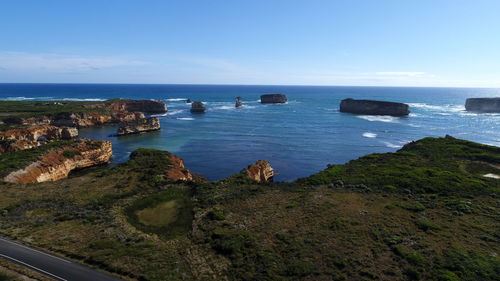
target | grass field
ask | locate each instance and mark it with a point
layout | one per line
(423, 213)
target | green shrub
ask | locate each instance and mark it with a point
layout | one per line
(217, 215)
(70, 153)
(6, 277)
(414, 207)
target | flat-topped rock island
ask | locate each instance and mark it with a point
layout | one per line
(273, 98)
(485, 105)
(373, 107)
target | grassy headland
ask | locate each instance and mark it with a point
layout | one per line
(425, 212)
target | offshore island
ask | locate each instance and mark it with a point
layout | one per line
(429, 211)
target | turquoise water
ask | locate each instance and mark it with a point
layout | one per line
(299, 138)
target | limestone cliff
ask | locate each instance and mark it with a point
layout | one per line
(147, 106)
(29, 137)
(261, 171)
(95, 114)
(139, 126)
(177, 171)
(94, 119)
(57, 164)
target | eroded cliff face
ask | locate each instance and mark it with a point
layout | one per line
(57, 164)
(147, 106)
(29, 137)
(95, 119)
(261, 171)
(106, 113)
(177, 171)
(139, 126)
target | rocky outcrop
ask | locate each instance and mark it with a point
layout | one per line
(139, 126)
(95, 119)
(261, 171)
(105, 113)
(163, 163)
(57, 164)
(273, 98)
(485, 105)
(177, 171)
(147, 106)
(197, 107)
(239, 102)
(373, 107)
(29, 137)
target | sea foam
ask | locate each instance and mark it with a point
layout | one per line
(177, 99)
(380, 118)
(369, 135)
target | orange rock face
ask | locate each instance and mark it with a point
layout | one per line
(57, 164)
(177, 170)
(261, 171)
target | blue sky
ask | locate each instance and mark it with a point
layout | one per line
(313, 42)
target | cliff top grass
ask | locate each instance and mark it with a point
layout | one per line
(25, 109)
(431, 165)
(236, 229)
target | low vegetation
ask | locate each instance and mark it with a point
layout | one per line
(17, 160)
(10, 110)
(422, 213)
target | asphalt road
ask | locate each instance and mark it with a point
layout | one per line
(52, 266)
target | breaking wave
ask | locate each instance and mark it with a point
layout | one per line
(380, 118)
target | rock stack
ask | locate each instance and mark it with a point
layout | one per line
(239, 102)
(139, 126)
(273, 98)
(373, 107)
(261, 171)
(197, 107)
(484, 105)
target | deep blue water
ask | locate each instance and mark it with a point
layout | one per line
(299, 138)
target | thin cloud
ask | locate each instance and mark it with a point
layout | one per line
(58, 62)
(401, 73)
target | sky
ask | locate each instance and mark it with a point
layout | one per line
(453, 43)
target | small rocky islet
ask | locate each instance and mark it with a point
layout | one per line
(408, 215)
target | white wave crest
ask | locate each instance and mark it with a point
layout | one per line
(445, 108)
(224, 107)
(25, 98)
(369, 135)
(380, 118)
(17, 98)
(159, 115)
(177, 99)
(185, 118)
(174, 112)
(391, 145)
(88, 99)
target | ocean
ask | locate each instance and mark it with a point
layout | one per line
(298, 138)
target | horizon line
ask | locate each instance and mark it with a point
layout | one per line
(266, 85)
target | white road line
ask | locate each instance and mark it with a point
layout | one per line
(21, 245)
(35, 268)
